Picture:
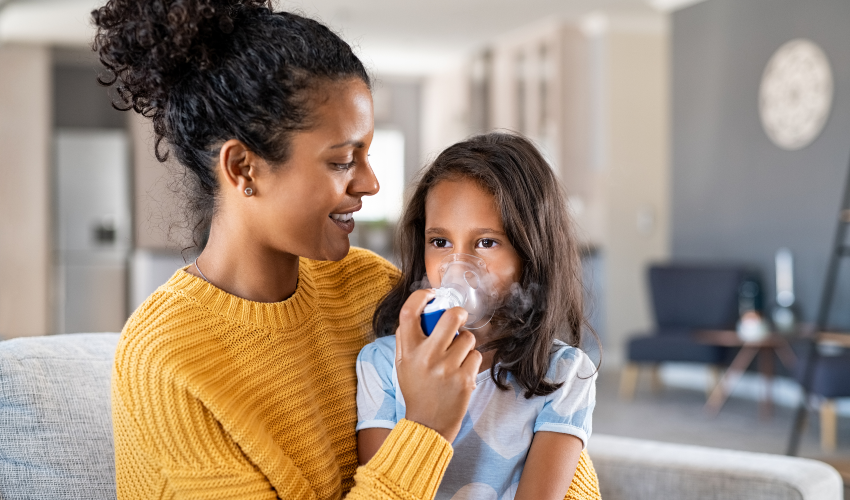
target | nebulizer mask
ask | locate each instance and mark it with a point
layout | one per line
(464, 282)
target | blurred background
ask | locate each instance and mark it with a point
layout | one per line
(703, 147)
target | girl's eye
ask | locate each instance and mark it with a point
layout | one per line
(441, 243)
(486, 243)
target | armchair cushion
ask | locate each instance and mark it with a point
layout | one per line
(831, 378)
(55, 417)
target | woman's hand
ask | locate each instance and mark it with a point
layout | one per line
(437, 373)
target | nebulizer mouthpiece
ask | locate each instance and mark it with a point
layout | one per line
(464, 282)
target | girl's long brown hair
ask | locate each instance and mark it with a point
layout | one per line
(547, 304)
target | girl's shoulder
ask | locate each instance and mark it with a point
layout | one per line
(567, 362)
(381, 351)
(376, 362)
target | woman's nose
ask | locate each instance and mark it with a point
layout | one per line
(364, 183)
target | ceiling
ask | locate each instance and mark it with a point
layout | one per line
(401, 34)
(393, 36)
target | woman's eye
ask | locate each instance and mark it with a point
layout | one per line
(344, 166)
(486, 243)
(441, 243)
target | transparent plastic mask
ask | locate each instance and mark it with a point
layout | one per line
(465, 282)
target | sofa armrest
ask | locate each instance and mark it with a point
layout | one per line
(636, 469)
(55, 417)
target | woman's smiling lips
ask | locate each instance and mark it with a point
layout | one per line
(344, 220)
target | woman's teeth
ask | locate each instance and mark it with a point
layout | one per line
(342, 217)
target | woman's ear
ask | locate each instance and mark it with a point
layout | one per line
(236, 163)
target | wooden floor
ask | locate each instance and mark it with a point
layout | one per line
(843, 467)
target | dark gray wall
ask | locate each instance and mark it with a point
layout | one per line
(735, 195)
(79, 101)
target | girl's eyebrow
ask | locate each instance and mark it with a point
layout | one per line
(480, 230)
(483, 230)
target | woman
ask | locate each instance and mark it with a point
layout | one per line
(236, 378)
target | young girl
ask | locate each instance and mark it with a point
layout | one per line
(494, 197)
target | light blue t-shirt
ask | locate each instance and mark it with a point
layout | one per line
(494, 439)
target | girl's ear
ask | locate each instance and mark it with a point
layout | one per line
(237, 166)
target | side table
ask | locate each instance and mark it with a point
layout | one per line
(764, 349)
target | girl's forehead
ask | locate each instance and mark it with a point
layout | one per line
(458, 186)
(461, 203)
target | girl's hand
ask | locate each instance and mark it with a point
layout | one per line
(437, 373)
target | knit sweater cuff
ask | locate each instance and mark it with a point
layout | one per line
(413, 459)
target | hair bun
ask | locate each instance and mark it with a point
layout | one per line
(148, 45)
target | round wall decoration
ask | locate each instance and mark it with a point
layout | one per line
(795, 96)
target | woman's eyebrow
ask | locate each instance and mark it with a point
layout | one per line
(357, 144)
(435, 230)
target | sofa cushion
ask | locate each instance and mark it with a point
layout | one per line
(634, 469)
(55, 418)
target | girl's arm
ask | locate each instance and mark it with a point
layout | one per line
(369, 441)
(550, 466)
(560, 431)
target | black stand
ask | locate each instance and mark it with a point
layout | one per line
(839, 249)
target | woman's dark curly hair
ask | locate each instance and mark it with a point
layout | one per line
(548, 301)
(205, 71)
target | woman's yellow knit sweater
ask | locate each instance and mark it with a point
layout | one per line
(215, 396)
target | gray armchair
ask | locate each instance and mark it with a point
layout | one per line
(56, 440)
(685, 298)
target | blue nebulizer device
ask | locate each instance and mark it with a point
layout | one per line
(464, 282)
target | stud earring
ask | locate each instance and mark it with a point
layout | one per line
(249, 191)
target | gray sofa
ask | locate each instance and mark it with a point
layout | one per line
(56, 440)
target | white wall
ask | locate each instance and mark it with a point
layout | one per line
(25, 191)
(611, 145)
(637, 177)
(445, 111)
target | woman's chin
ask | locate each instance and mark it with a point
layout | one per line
(334, 250)
(341, 252)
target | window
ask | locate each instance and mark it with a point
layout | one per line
(386, 155)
